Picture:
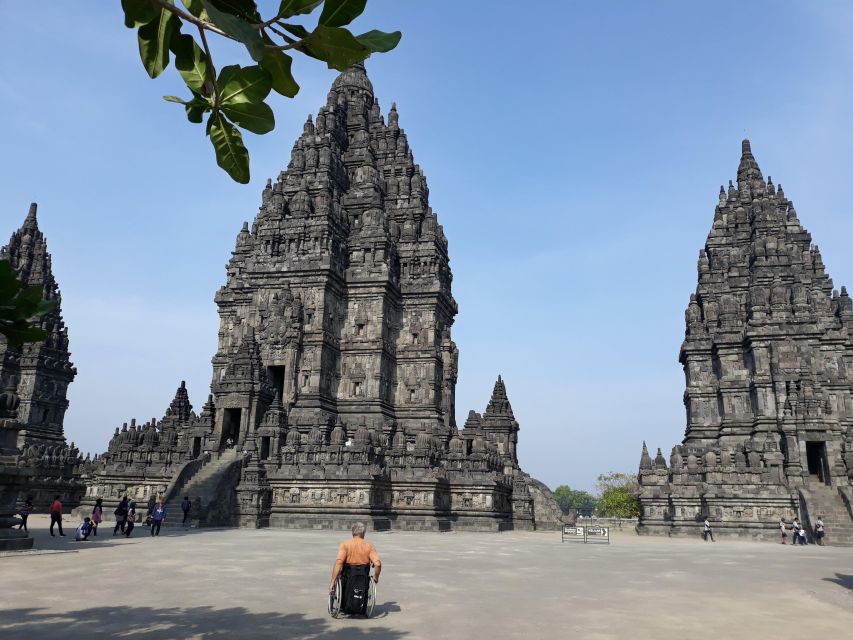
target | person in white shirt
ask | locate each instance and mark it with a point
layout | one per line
(783, 531)
(708, 533)
(83, 530)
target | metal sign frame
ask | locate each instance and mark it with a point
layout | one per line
(588, 534)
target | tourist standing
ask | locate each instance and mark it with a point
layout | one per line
(151, 504)
(131, 519)
(157, 518)
(803, 540)
(97, 515)
(121, 515)
(795, 532)
(83, 530)
(819, 531)
(25, 512)
(186, 506)
(56, 515)
(708, 533)
(782, 530)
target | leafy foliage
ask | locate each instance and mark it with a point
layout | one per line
(618, 495)
(20, 306)
(236, 96)
(581, 501)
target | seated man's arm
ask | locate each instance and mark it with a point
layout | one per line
(377, 565)
(336, 568)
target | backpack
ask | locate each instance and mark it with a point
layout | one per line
(356, 589)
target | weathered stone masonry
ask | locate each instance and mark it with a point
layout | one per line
(333, 392)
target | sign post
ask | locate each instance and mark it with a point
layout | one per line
(589, 534)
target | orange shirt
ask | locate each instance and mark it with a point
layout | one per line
(357, 550)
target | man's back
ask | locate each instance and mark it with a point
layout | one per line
(357, 550)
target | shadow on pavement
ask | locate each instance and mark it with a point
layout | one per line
(178, 623)
(842, 579)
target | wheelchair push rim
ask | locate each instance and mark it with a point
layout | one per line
(335, 600)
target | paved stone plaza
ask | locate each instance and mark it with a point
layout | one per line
(205, 584)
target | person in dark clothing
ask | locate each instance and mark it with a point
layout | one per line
(56, 515)
(157, 518)
(152, 503)
(25, 513)
(186, 506)
(121, 516)
(130, 522)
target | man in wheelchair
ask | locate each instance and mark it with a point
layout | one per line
(355, 557)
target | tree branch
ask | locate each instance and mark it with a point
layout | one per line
(201, 24)
(211, 70)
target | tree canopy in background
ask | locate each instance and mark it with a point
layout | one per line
(617, 495)
(581, 501)
(234, 97)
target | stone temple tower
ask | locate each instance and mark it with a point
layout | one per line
(334, 380)
(34, 380)
(343, 284)
(768, 364)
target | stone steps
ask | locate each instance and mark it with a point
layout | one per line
(826, 503)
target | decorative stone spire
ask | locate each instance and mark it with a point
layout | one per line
(499, 403)
(748, 171)
(180, 408)
(645, 459)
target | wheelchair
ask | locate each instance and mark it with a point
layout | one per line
(354, 592)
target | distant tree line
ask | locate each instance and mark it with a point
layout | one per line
(615, 497)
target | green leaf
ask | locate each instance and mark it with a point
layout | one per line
(175, 99)
(256, 117)
(290, 8)
(196, 8)
(154, 39)
(379, 41)
(138, 12)
(246, 9)
(231, 155)
(296, 29)
(277, 63)
(249, 84)
(21, 308)
(237, 28)
(337, 47)
(337, 13)
(195, 113)
(190, 61)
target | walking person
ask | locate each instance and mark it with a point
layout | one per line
(151, 504)
(121, 515)
(186, 506)
(708, 533)
(130, 522)
(157, 518)
(819, 531)
(56, 515)
(25, 512)
(783, 531)
(97, 515)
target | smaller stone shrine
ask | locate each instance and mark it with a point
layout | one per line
(768, 363)
(34, 380)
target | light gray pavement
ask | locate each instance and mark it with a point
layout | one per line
(271, 584)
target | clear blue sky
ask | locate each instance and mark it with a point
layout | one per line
(574, 152)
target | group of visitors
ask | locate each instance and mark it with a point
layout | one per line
(125, 515)
(798, 532)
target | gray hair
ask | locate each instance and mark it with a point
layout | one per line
(358, 528)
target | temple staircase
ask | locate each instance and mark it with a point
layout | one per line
(819, 500)
(211, 489)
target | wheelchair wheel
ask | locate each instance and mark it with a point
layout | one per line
(335, 599)
(371, 599)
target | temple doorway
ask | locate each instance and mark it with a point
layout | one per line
(275, 375)
(196, 447)
(816, 457)
(230, 427)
